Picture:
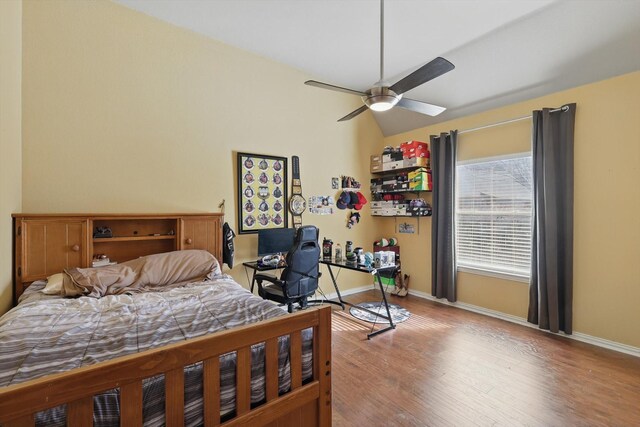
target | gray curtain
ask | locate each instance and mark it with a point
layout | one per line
(551, 287)
(443, 266)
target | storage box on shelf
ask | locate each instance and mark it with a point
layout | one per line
(416, 162)
(411, 149)
(376, 163)
(420, 180)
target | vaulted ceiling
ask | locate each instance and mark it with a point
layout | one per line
(504, 51)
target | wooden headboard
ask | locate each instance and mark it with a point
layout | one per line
(45, 244)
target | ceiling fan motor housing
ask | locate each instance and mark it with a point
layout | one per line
(381, 98)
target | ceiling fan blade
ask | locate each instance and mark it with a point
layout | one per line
(352, 114)
(420, 107)
(333, 87)
(427, 72)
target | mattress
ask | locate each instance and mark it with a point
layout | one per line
(49, 334)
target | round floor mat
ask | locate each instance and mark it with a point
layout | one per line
(398, 314)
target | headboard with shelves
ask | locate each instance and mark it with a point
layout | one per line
(45, 244)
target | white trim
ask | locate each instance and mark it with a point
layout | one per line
(348, 292)
(492, 273)
(494, 158)
(578, 336)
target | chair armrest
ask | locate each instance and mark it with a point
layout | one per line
(259, 278)
(267, 277)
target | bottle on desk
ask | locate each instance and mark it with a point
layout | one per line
(327, 245)
(338, 257)
(348, 247)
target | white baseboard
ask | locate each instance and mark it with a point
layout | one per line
(347, 292)
(578, 336)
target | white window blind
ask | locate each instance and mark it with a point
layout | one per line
(493, 215)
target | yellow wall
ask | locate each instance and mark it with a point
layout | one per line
(607, 206)
(10, 135)
(126, 113)
(122, 112)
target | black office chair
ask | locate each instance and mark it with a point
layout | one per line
(299, 279)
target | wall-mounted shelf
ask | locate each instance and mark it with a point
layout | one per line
(395, 171)
(401, 191)
(402, 216)
(132, 238)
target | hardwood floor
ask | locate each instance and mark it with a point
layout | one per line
(449, 367)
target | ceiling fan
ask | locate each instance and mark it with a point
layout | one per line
(383, 98)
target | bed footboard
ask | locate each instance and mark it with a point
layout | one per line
(306, 404)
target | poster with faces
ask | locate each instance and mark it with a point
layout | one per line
(262, 188)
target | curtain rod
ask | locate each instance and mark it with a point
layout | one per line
(563, 108)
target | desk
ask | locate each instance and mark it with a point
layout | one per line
(375, 272)
(256, 267)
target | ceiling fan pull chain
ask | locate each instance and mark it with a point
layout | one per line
(381, 41)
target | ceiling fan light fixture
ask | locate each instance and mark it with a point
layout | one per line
(381, 99)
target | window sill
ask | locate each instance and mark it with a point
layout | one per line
(496, 274)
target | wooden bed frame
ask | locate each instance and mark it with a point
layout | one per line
(303, 405)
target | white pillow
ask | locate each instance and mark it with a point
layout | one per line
(54, 284)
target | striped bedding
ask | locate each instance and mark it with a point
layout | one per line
(49, 334)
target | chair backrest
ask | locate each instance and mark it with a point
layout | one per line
(301, 274)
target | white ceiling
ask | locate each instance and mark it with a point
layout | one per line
(504, 51)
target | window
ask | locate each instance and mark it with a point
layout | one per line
(493, 215)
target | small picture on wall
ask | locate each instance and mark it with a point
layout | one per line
(262, 192)
(335, 183)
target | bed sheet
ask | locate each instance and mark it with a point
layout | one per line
(48, 334)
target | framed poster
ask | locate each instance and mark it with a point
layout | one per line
(262, 192)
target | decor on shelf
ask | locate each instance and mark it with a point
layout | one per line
(262, 192)
(349, 183)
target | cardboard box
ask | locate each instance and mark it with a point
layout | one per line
(419, 211)
(375, 165)
(417, 174)
(421, 180)
(392, 157)
(401, 211)
(421, 176)
(416, 152)
(394, 249)
(416, 161)
(414, 144)
(384, 258)
(421, 186)
(386, 166)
